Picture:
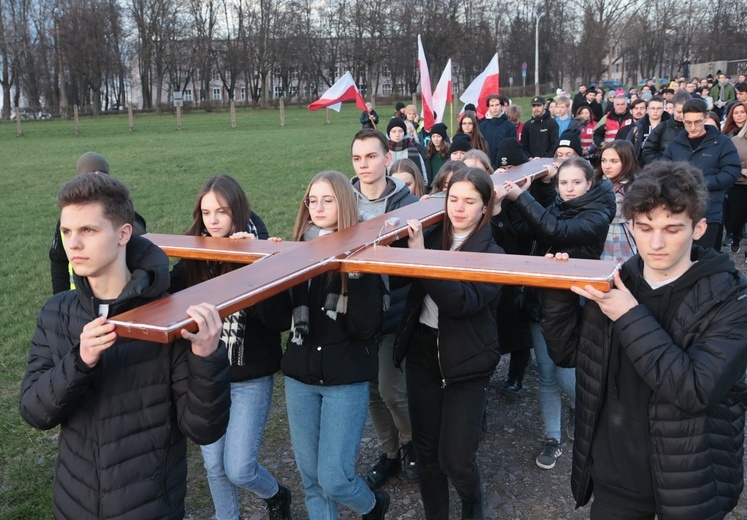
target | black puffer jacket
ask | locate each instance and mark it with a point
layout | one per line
(122, 445)
(578, 227)
(659, 139)
(695, 369)
(468, 335)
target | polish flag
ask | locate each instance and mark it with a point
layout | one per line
(343, 90)
(484, 85)
(425, 88)
(443, 93)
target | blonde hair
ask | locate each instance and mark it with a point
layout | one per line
(347, 206)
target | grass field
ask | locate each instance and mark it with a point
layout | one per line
(164, 169)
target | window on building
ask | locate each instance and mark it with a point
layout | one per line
(386, 89)
(243, 94)
(216, 94)
(385, 72)
(187, 94)
(277, 92)
(293, 90)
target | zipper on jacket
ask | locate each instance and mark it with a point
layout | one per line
(438, 357)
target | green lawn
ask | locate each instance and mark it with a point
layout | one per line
(164, 168)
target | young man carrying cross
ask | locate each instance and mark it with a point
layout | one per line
(660, 364)
(378, 194)
(125, 407)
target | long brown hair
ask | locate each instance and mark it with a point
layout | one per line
(481, 181)
(626, 152)
(233, 198)
(476, 138)
(730, 126)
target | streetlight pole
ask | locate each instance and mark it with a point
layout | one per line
(61, 73)
(536, 53)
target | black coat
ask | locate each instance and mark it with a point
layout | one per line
(578, 227)
(659, 139)
(122, 444)
(540, 135)
(340, 348)
(467, 331)
(719, 161)
(494, 131)
(695, 369)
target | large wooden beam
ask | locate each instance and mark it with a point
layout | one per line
(288, 264)
(535, 271)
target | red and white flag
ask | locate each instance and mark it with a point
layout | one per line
(425, 88)
(443, 93)
(484, 85)
(343, 90)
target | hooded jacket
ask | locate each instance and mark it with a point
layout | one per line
(578, 227)
(640, 132)
(396, 195)
(122, 444)
(467, 330)
(540, 135)
(691, 360)
(717, 158)
(494, 131)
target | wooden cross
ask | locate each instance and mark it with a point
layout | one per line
(276, 267)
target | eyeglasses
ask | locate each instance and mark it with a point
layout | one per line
(313, 202)
(694, 123)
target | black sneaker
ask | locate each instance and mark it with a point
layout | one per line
(409, 464)
(512, 388)
(735, 247)
(571, 426)
(382, 470)
(380, 507)
(279, 506)
(548, 457)
(727, 241)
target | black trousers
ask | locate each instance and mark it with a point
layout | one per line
(737, 210)
(445, 427)
(609, 511)
(712, 236)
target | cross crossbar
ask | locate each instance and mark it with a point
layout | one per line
(280, 266)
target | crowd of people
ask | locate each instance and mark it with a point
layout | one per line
(654, 369)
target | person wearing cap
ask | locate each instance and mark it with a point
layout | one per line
(403, 147)
(399, 110)
(437, 150)
(498, 127)
(459, 146)
(369, 117)
(60, 269)
(540, 132)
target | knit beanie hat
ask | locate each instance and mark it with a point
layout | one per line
(395, 122)
(91, 162)
(460, 143)
(510, 153)
(470, 106)
(571, 138)
(399, 106)
(440, 129)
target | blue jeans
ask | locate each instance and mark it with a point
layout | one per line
(552, 379)
(231, 462)
(326, 425)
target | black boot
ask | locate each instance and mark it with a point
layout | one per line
(409, 463)
(382, 470)
(279, 506)
(472, 509)
(381, 506)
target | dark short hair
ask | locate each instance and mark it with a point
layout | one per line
(678, 187)
(503, 99)
(638, 101)
(91, 188)
(741, 87)
(370, 133)
(695, 106)
(680, 98)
